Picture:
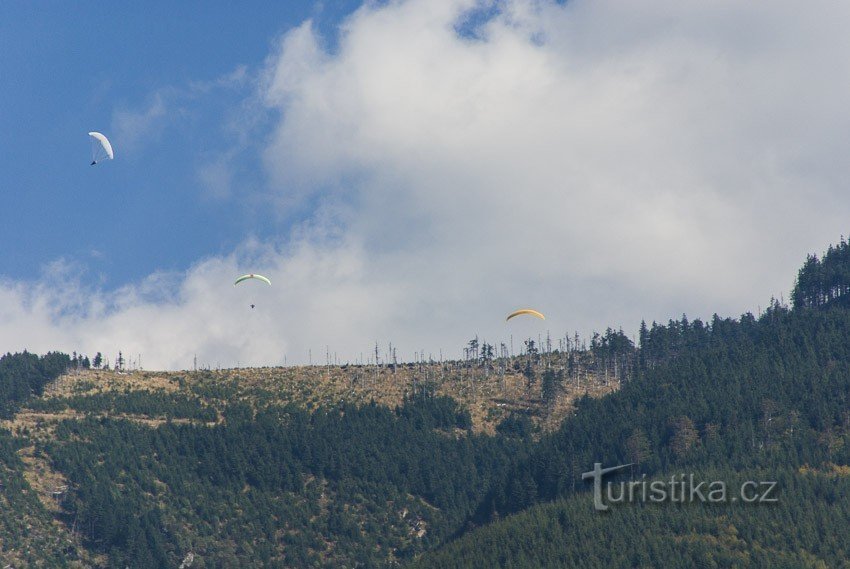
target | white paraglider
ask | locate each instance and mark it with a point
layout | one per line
(101, 149)
(252, 276)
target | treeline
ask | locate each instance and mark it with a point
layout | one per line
(824, 280)
(732, 394)
(24, 374)
(764, 396)
(149, 403)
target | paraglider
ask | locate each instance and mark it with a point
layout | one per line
(244, 278)
(528, 311)
(252, 276)
(101, 149)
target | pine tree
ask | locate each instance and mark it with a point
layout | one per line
(684, 437)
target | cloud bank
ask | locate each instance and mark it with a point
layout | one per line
(454, 160)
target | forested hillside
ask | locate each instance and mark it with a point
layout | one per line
(30, 535)
(317, 466)
(733, 393)
(749, 399)
(806, 528)
(473, 463)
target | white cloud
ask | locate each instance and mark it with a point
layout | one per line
(132, 127)
(170, 318)
(603, 162)
(599, 161)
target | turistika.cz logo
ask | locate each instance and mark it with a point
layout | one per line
(679, 489)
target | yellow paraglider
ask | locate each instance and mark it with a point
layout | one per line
(528, 311)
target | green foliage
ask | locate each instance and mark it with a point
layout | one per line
(263, 474)
(148, 403)
(25, 527)
(516, 425)
(826, 280)
(805, 528)
(25, 374)
(764, 397)
(430, 412)
(553, 383)
(701, 400)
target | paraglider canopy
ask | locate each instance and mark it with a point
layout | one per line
(244, 278)
(528, 311)
(252, 276)
(101, 149)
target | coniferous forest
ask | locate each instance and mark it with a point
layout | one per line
(206, 475)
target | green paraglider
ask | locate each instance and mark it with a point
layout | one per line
(249, 276)
(252, 276)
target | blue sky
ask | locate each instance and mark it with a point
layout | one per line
(68, 68)
(408, 171)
